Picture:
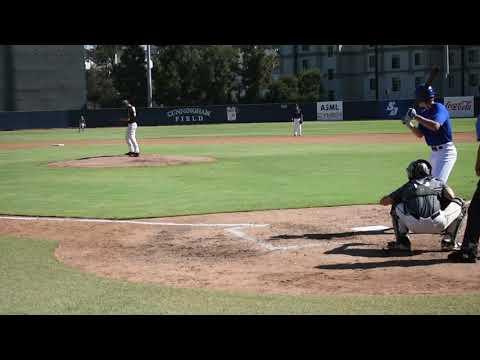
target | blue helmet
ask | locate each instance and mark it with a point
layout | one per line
(424, 92)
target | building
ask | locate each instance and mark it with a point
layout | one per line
(42, 77)
(350, 73)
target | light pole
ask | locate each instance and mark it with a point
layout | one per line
(149, 78)
(376, 73)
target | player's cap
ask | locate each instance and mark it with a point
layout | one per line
(419, 169)
(424, 92)
(125, 102)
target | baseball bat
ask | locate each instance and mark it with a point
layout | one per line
(433, 74)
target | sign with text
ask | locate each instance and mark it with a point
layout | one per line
(189, 115)
(330, 110)
(460, 106)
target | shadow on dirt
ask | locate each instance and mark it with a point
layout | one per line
(384, 264)
(346, 249)
(332, 236)
(102, 156)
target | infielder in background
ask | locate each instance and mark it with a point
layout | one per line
(131, 130)
(435, 125)
(469, 250)
(424, 205)
(297, 119)
(82, 124)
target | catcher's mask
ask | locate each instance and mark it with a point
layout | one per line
(419, 169)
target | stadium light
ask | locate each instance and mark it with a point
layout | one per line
(149, 77)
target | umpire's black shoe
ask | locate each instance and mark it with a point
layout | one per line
(129, 153)
(462, 257)
(135, 154)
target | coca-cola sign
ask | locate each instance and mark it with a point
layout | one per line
(461, 106)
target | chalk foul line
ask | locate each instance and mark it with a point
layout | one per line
(233, 229)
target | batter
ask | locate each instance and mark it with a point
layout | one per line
(435, 126)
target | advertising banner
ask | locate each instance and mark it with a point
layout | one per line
(330, 110)
(460, 106)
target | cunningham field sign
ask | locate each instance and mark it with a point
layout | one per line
(189, 114)
(330, 110)
(461, 106)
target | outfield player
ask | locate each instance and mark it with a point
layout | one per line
(82, 124)
(469, 250)
(297, 119)
(131, 130)
(435, 125)
(424, 205)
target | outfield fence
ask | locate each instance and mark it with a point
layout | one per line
(219, 114)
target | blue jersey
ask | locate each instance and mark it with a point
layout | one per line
(478, 127)
(438, 113)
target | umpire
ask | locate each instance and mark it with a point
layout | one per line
(469, 251)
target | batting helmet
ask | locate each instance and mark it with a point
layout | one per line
(419, 169)
(424, 92)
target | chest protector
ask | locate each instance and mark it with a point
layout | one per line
(422, 197)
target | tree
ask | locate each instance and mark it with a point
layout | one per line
(103, 56)
(100, 89)
(310, 86)
(130, 77)
(217, 72)
(174, 74)
(284, 89)
(257, 65)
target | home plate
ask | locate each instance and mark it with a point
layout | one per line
(370, 228)
(58, 144)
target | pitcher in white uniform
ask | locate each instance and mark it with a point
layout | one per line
(435, 125)
(131, 130)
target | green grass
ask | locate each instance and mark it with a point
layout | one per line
(32, 281)
(257, 129)
(245, 177)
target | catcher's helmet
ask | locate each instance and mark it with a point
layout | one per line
(419, 169)
(424, 92)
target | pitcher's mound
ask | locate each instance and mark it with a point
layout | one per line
(124, 161)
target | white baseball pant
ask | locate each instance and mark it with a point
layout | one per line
(407, 222)
(297, 127)
(443, 160)
(131, 138)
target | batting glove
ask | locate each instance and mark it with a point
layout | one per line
(411, 113)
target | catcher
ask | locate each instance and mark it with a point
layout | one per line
(424, 205)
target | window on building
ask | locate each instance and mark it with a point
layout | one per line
(373, 84)
(371, 61)
(451, 81)
(330, 74)
(473, 79)
(395, 62)
(417, 59)
(451, 58)
(330, 51)
(305, 47)
(396, 84)
(305, 64)
(418, 80)
(472, 56)
(331, 95)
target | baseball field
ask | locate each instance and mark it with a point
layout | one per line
(221, 219)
